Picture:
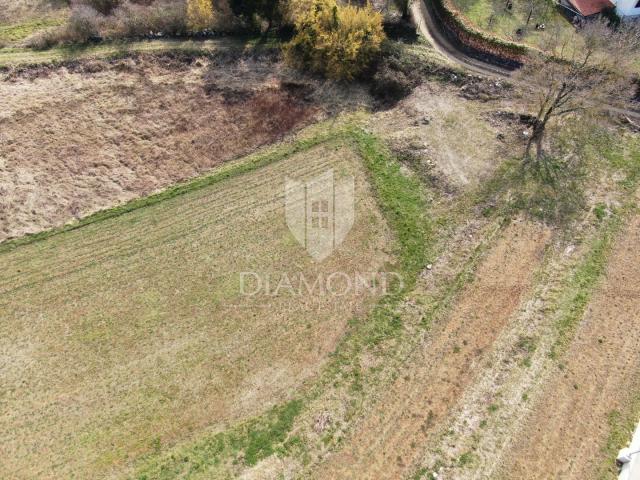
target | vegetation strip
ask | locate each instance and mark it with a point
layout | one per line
(582, 282)
(621, 428)
(256, 439)
(21, 31)
(24, 57)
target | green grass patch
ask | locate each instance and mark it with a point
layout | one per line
(400, 197)
(466, 459)
(494, 17)
(20, 31)
(621, 427)
(401, 201)
(248, 443)
(623, 157)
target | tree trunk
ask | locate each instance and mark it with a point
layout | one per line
(527, 152)
(536, 138)
(539, 151)
(405, 9)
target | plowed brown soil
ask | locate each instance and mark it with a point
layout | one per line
(567, 429)
(389, 440)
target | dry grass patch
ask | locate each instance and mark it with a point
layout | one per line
(83, 138)
(443, 135)
(16, 11)
(565, 433)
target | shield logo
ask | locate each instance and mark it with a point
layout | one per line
(320, 212)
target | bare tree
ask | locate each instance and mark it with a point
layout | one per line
(531, 7)
(594, 70)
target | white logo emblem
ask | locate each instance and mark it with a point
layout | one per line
(320, 212)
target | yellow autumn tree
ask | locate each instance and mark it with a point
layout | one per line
(338, 41)
(293, 10)
(199, 14)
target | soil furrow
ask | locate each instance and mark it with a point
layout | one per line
(565, 432)
(388, 441)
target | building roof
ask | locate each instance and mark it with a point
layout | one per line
(590, 7)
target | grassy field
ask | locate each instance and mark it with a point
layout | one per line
(130, 334)
(21, 18)
(128, 350)
(494, 16)
(13, 33)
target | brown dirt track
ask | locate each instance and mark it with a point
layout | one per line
(390, 439)
(567, 428)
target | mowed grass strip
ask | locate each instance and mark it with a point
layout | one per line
(16, 57)
(400, 196)
(130, 334)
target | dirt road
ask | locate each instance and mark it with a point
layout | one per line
(431, 28)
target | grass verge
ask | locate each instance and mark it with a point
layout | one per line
(20, 31)
(248, 443)
(16, 56)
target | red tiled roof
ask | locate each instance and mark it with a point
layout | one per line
(591, 7)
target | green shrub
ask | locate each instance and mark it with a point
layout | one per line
(339, 42)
